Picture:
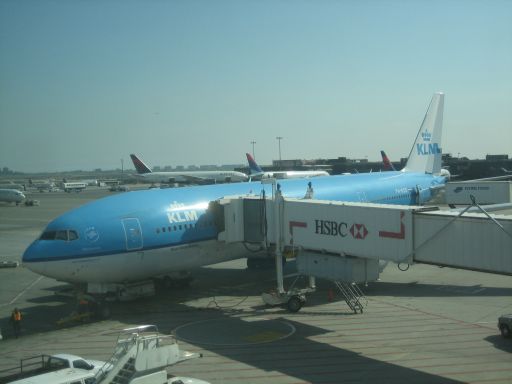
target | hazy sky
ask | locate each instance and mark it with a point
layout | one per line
(85, 83)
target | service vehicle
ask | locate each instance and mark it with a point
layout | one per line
(53, 369)
(505, 325)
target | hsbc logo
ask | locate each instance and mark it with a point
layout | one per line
(358, 231)
(340, 228)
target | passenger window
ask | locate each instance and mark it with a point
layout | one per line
(163, 229)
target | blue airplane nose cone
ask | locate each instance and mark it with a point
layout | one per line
(31, 253)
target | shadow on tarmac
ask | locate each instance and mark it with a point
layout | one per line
(500, 343)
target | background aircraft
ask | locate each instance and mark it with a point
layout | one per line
(187, 177)
(11, 185)
(11, 196)
(152, 233)
(388, 165)
(256, 173)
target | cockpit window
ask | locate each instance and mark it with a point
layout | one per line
(63, 234)
(48, 235)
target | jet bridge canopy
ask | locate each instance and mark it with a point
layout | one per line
(402, 234)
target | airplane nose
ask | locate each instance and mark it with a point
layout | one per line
(30, 259)
(31, 253)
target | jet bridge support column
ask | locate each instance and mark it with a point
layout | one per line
(278, 213)
(294, 298)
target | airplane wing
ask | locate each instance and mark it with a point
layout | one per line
(494, 178)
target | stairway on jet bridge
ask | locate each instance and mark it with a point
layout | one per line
(344, 242)
(352, 295)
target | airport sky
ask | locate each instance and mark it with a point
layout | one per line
(85, 83)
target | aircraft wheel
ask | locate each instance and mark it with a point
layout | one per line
(101, 310)
(295, 304)
(183, 282)
(167, 282)
(505, 331)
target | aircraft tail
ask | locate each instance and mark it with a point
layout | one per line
(139, 165)
(425, 155)
(388, 165)
(254, 168)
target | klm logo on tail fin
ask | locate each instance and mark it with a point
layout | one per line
(427, 149)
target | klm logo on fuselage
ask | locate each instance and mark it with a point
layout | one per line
(178, 213)
(428, 149)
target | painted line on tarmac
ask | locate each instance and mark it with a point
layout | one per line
(22, 292)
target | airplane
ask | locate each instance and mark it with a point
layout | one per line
(11, 185)
(42, 185)
(149, 234)
(189, 177)
(11, 196)
(256, 173)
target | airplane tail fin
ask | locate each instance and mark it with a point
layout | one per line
(425, 155)
(388, 165)
(139, 165)
(254, 168)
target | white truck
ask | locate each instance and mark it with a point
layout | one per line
(54, 369)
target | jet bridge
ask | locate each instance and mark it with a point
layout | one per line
(348, 242)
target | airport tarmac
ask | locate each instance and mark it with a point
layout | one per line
(424, 325)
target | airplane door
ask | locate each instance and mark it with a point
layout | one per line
(133, 234)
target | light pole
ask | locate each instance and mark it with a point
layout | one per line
(279, 138)
(122, 165)
(253, 142)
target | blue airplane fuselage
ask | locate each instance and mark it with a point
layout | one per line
(172, 224)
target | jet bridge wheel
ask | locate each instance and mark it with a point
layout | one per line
(295, 303)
